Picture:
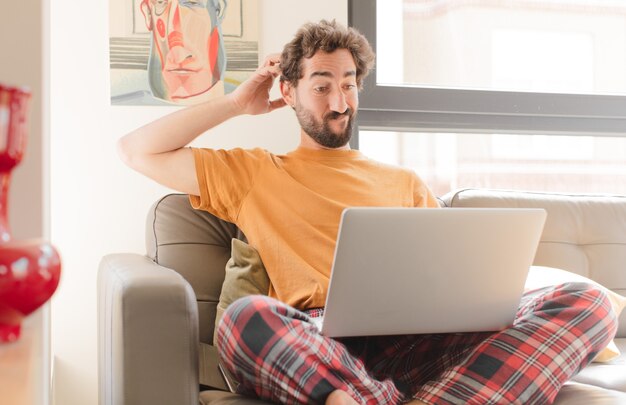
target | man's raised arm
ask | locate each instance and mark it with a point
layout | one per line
(157, 149)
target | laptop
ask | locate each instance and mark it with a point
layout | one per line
(417, 271)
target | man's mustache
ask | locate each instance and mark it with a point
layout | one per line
(334, 115)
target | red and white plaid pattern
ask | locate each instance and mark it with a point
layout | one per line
(278, 355)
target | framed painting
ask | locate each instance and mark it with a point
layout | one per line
(180, 52)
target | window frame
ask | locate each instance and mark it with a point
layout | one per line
(422, 109)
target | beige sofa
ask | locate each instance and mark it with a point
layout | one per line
(155, 309)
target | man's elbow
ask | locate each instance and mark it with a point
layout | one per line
(125, 154)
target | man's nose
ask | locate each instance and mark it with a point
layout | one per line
(338, 102)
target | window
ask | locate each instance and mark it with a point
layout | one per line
(562, 46)
(505, 94)
(448, 161)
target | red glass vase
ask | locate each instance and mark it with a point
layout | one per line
(29, 269)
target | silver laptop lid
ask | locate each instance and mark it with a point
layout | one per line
(412, 270)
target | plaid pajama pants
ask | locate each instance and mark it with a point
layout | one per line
(276, 354)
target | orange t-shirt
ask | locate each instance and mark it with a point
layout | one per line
(289, 207)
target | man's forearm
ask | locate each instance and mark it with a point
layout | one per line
(178, 129)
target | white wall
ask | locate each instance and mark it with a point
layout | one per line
(98, 206)
(22, 46)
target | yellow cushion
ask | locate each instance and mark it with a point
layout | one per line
(540, 276)
(245, 275)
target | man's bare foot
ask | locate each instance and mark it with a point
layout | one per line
(339, 397)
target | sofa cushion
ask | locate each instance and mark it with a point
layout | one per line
(197, 245)
(574, 393)
(245, 275)
(226, 398)
(611, 375)
(188, 240)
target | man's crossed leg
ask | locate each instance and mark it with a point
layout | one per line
(278, 355)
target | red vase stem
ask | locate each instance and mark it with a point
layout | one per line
(29, 270)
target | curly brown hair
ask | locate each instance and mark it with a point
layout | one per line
(326, 36)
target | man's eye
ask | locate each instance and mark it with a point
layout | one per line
(320, 89)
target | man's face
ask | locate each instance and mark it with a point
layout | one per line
(326, 97)
(185, 59)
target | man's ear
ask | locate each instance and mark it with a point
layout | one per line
(287, 90)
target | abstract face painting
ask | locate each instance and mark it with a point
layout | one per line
(187, 55)
(180, 52)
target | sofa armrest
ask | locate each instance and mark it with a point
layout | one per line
(148, 334)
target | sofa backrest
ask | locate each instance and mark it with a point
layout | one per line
(197, 245)
(584, 234)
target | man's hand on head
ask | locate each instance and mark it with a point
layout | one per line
(253, 95)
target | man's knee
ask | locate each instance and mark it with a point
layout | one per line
(587, 295)
(243, 316)
(593, 303)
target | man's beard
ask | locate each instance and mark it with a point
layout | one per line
(321, 131)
